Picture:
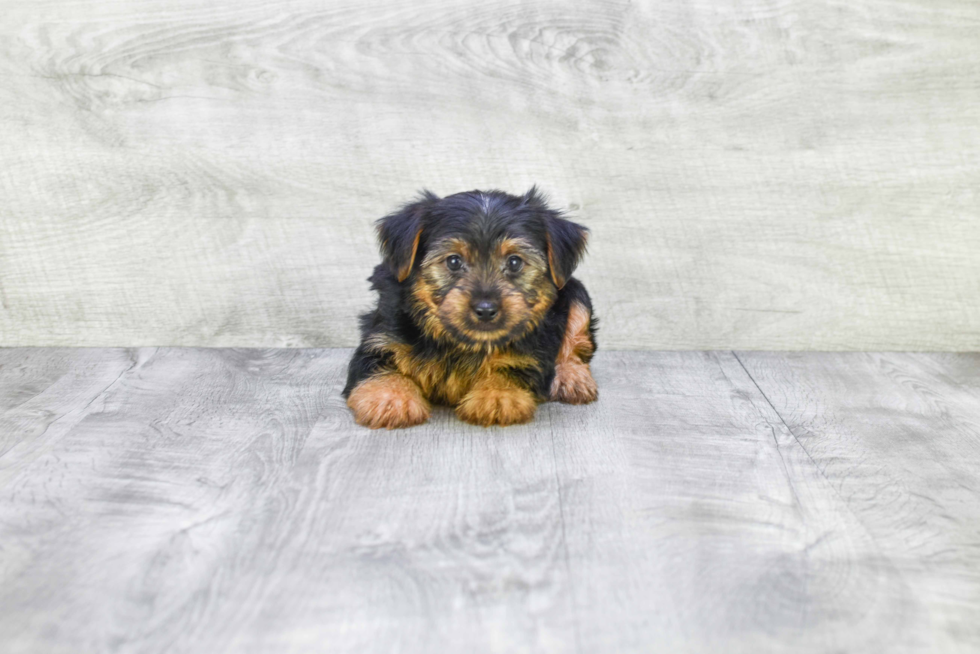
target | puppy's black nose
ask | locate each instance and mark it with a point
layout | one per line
(485, 310)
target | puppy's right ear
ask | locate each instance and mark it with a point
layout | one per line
(399, 234)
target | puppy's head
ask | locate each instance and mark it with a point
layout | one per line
(482, 268)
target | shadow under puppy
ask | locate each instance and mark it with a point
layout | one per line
(478, 310)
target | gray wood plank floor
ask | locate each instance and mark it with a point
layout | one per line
(209, 500)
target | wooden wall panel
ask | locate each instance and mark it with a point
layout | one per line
(757, 175)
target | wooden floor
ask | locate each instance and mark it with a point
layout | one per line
(209, 500)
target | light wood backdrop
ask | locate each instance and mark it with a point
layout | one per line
(757, 175)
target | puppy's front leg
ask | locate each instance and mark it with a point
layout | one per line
(573, 381)
(497, 400)
(388, 399)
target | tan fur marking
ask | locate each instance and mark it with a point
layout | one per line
(428, 374)
(431, 325)
(439, 251)
(513, 246)
(456, 386)
(404, 271)
(437, 383)
(576, 342)
(388, 400)
(537, 312)
(514, 308)
(573, 381)
(448, 385)
(495, 400)
(551, 264)
(454, 308)
(500, 359)
(423, 293)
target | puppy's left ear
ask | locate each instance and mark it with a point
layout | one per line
(566, 240)
(566, 245)
(399, 234)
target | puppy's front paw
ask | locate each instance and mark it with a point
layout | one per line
(390, 400)
(497, 405)
(574, 384)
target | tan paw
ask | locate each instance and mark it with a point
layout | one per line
(574, 383)
(496, 405)
(389, 400)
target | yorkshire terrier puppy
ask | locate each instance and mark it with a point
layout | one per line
(478, 310)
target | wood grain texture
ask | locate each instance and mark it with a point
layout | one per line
(917, 422)
(765, 175)
(187, 500)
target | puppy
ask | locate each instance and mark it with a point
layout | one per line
(478, 310)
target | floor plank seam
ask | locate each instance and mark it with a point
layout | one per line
(564, 538)
(818, 468)
(135, 358)
(88, 404)
(778, 415)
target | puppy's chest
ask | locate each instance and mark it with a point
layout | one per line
(447, 378)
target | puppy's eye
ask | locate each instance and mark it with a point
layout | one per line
(454, 262)
(514, 264)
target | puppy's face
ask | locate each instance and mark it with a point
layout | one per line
(482, 268)
(484, 290)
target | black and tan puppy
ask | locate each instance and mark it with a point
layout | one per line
(477, 310)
